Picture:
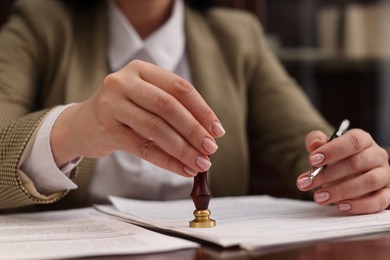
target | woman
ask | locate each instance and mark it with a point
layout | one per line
(110, 105)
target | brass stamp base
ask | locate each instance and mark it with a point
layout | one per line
(202, 219)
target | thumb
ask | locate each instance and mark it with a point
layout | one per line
(314, 140)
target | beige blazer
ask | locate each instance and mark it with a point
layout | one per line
(50, 55)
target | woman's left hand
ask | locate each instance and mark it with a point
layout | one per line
(357, 173)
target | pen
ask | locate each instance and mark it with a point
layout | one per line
(341, 130)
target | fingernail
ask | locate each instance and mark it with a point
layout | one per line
(322, 196)
(209, 145)
(305, 182)
(218, 129)
(345, 207)
(315, 143)
(190, 171)
(317, 158)
(203, 163)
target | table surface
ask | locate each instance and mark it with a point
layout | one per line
(372, 247)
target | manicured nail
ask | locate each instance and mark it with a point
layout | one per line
(345, 207)
(203, 163)
(218, 129)
(209, 145)
(305, 182)
(317, 158)
(190, 171)
(322, 196)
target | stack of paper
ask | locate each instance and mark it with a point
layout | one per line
(252, 222)
(77, 233)
(249, 222)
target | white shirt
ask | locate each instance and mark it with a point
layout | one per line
(121, 174)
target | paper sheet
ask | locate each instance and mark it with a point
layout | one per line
(253, 222)
(77, 233)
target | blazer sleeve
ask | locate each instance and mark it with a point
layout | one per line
(23, 57)
(280, 114)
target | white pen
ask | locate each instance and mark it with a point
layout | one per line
(342, 129)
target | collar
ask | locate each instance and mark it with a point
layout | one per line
(164, 47)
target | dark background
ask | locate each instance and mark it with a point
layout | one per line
(339, 87)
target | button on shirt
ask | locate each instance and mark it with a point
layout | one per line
(120, 173)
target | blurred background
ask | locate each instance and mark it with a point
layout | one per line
(339, 52)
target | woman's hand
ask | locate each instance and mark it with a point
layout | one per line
(357, 173)
(144, 110)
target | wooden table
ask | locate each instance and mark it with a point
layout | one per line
(372, 247)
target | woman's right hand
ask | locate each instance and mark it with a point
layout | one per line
(143, 110)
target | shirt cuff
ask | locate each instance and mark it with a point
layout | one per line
(40, 166)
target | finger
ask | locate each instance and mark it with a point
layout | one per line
(363, 184)
(132, 143)
(159, 102)
(304, 183)
(364, 161)
(151, 127)
(314, 140)
(183, 91)
(344, 146)
(375, 202)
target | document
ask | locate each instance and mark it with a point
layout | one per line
(77, 233)
(251, 222)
